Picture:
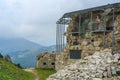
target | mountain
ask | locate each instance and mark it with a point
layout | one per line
(23, 51)
(27, 58)
(16, 44)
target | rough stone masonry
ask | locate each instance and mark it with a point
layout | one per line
(101, 65)
(46, 60)
(95, 34)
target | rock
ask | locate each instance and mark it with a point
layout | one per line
(105, 74)
(8, 58)
(116, 57)
(97, 79)
(100, 71)
(97, 48)
(90, 47)
(113, 70)
(98, 75)
(109, 71)
(108, 60)
(116, 32)
(97, 43)
(107, 50)
(84, 43)
(118, 72)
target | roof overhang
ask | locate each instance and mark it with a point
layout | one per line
(68, 15)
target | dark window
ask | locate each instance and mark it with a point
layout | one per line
(75, 54)
(75, 43)
(109, 28)
(44, 63)
(52, 63)
(74, 34)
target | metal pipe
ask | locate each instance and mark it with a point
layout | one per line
(91, 21)
(63, 34)
(79, 27)
(113, 37)
(57, 38)
(61, 37)
(91, 26)
(104, 30)
(60, 27)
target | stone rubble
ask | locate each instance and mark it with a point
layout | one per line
(101, 65)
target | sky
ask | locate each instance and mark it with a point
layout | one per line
(35, 20)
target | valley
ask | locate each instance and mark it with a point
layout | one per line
(23, 51)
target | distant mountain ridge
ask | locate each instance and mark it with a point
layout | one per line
(14, 44)
(23, 51)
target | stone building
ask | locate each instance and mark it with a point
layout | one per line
(87, 31)
(45, 60)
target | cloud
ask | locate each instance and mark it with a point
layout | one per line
(21, 56)
(35, 20)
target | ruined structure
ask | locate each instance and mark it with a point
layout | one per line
(86, 32)
(45, 60)
(101, 65)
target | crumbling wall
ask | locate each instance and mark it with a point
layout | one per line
(45, 60)
(61, 60)
(89, 42)
(101, 65)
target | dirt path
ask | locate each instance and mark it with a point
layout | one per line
(32, 70)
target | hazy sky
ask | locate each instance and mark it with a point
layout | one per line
(35, 20)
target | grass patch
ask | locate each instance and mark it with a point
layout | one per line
(44, 73)
(8, 71)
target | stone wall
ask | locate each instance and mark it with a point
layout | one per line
(88, 42)
(61, 60)
(117, 34)
(45, 60)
